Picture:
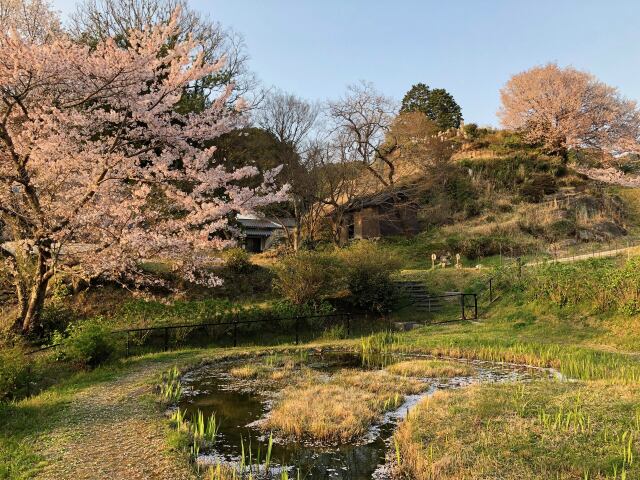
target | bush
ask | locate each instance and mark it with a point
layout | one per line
(14, 372)
(307, 277)
(541, 184)
(368, 276)
(237, 260)
(88, 344)
(595, 284)
(480, 246)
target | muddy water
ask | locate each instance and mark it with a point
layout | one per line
(211, 390)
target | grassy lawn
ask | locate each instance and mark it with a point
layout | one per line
(106, 423)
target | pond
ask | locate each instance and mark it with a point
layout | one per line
(241, 404)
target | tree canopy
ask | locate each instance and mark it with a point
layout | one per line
(565, 108)
(99, 170)
(437, 104)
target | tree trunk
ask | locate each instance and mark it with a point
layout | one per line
(37, 295)
(34, 307)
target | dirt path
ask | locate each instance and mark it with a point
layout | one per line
(113, 431)
(575, 258)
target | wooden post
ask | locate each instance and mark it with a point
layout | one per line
(348, 324)
(235, 332)
(475, 306)
(491, 290)
(297, 330)
(166, 339)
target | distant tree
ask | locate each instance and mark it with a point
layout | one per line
(420, 143)
(97, 20)
(437, 104)
(564, 108)
(287, 117)
(250, 146)
(31, 19)
(290, 120)
(359, 123)
(416, 99)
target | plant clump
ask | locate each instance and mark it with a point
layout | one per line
(430, 369)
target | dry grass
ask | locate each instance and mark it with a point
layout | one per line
(511, 432)
(250, 371)
(341, 409)
(430, 369)
(328, 413)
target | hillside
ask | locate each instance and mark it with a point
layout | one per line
(499, 195)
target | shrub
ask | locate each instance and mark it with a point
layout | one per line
(237, 260)
(594, 284)
(54, 317)
(14, 372)
(88, 343)
(368, 276)
(541, 184)
(307, 277)
(479, 246)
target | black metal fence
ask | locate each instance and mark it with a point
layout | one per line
(232, 332)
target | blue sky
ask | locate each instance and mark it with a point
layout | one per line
(314, 48)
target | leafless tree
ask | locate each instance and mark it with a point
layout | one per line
(32, 19)
(96, 20)
(289, 118)
(362, 119)
(339, 182)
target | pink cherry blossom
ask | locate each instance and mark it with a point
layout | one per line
(99, 171)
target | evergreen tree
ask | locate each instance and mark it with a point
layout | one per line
(437, 104)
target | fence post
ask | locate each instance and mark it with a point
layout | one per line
(490, 290)
(462, 305)
(127, 356)
(348, 324)
(297, 330)
(235, 332)
(166, 339)
(475, 306)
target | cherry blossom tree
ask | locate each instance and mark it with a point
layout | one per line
(564, 108)
(99, 170)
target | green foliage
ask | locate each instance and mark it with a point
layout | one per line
(307, 277)
(437, 104)
(254, 147)
(518, 167)
(55, 317)
(14, 371)
(171, 388)
(368, 270)
(286, 309)
(480, 246)
(599, 285)
(537, 186)
(87, 344)
(237, 260)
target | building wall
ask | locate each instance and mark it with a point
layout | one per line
(366, 223)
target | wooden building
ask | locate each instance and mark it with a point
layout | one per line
(380, 215)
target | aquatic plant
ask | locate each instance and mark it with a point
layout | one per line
(170, 388)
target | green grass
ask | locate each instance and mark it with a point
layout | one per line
(547, 430)
(540, 430)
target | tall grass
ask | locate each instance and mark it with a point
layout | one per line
(171, 388)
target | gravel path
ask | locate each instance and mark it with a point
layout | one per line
(113, 431)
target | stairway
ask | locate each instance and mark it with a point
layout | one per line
(419, 296)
